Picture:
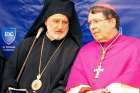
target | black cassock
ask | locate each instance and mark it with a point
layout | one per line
(55, 75)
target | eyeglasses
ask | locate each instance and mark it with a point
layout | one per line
(97, 21)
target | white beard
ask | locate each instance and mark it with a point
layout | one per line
(54, 38)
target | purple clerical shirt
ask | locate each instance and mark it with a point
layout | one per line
(121, 64)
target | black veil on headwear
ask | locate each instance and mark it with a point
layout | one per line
(51, 7)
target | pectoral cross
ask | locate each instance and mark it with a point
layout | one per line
(98, 71)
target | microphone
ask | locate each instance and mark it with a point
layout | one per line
(40, 30)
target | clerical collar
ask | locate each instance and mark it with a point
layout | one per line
(105, 44)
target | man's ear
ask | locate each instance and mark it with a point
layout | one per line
(113, 22)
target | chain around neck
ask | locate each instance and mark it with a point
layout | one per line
(99, 68)
(112, 42)
(40, 73)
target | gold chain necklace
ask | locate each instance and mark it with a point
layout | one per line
(37, 83)
(100, 69)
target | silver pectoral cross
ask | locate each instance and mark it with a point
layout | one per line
(98, 70)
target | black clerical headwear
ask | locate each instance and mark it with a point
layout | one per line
(65, 7)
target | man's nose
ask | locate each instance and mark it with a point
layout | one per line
(60, 25)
